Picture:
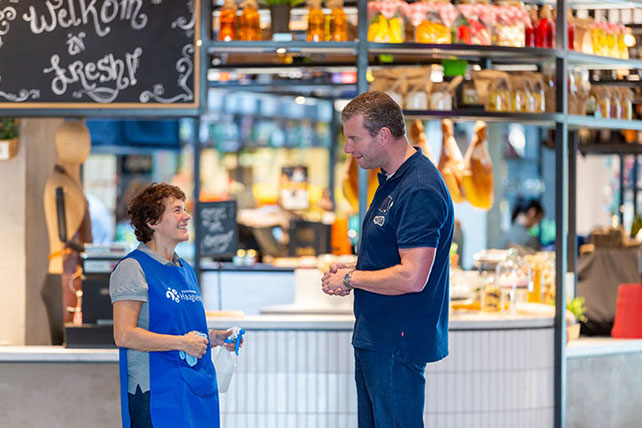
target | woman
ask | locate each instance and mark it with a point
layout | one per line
(158, 315)
(525, 215)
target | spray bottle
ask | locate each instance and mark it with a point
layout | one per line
(226, 361)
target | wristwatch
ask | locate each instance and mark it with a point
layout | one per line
(346, 279)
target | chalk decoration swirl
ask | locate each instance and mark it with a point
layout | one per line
(185, 67)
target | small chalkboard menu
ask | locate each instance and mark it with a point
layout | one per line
(99, 53)
(218, 229)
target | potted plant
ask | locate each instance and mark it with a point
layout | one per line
(8, 138)
(280, 14)
(578, 309)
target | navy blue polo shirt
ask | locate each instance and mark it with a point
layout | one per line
(411, 209)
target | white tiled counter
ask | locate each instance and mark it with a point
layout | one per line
(297, 371)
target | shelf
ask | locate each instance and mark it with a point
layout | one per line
(610, 149)
(535, 119)
(592, 122)
(315, 90)
(597, 62)
(621, 83)
(268, 46)
(414, 51)
(469, 52)
(595, 4)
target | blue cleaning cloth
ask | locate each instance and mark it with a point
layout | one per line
(190, 360)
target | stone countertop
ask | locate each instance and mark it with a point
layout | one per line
(295, 317)
(327, 322)
(56, 354)
(586, 347)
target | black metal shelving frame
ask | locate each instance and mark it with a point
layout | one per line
(363, 54)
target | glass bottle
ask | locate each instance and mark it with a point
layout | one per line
(530, 31)
(250, 22)
(316, 22)
(571, 30)
(338, 22)
(545, 31)
(513, 276)
(227, 22)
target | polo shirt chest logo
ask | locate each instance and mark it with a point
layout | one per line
(383, 209)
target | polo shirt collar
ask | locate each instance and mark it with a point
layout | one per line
(153, 254)
(382, 175)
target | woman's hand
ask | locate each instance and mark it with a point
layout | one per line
(194, 345)
(217, 338)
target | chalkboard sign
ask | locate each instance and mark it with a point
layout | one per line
(219, 230)
(99, 53)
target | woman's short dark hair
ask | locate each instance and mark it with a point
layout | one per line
(524, 206)
(148, 207)
(378, 110)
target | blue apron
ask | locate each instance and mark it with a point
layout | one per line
(180, 395)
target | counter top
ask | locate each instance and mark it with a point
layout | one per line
(56, 354)
(602, 346)
(231, 267)
(306, 318)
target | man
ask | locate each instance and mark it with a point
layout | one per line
(401, 276)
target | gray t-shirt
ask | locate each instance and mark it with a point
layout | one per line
(128, 282)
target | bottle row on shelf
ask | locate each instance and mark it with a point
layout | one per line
(508, 23)
(500, 91)
(246, 26)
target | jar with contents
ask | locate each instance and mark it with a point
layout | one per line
(611, 41)
(621, 43)
(513, 276)
(338, 22)
(539, 96)
(602, 103)
(491, 297)
(616, 103)
(469, 27)
(250, 22)
(316, 22)
(511, 20)
(469, 94)
(626, 99)
(430, 27)
(386, 22)
(598, 36)
(545, 30)
(440, 98)
(227, 22)
(499, 97)
(520, 95)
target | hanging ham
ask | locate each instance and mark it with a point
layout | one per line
(478, 172)
(418, 138)
(451, 162)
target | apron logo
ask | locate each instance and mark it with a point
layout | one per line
(172, 294)
(379, 220)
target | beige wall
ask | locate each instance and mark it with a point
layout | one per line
(24, 244)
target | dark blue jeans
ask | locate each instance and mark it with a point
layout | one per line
(390, 390)
(139, 412)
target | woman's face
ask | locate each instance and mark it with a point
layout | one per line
(172, 225)
(533, 217)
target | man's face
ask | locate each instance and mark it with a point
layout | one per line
(365, 148)
(172, 225)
